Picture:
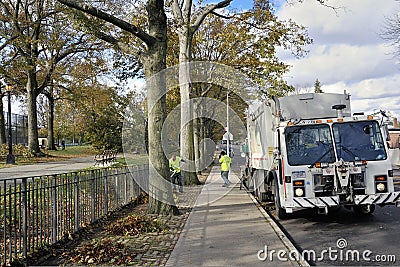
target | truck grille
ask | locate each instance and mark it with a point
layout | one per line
(324, 184)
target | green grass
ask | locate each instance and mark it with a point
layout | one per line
(135, 159)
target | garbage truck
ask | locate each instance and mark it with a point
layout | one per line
(308, 151)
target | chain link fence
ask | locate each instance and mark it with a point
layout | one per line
(39, 211)
(19, 128)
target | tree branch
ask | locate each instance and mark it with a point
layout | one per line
(187, 10)
(177, 11)
(207, 11)
(142, 35)
(223, 16)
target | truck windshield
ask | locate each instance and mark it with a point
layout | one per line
(308, 144)
(360, 140)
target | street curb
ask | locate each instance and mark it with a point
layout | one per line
(282, 236)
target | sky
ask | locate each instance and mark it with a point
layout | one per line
(348, 52)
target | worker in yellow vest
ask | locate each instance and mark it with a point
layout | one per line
(175, 168)
(225, 161)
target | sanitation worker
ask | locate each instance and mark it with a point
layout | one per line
(174, 167)
(225, 161)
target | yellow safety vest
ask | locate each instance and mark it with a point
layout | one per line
(174, 164)
(225, 163)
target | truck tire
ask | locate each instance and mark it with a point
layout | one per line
(269, 189)
(363, 209)
(280, 212)
(262, 196)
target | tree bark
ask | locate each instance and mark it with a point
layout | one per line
(31, 87)
(50, 120)
(160, 192)
(187, 139)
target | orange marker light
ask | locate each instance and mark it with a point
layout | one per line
(299, 183)
(380, 178)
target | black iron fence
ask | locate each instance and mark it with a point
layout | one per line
(39, 211)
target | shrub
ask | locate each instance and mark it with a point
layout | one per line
(18, 149)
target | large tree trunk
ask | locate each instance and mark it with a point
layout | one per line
(186, 30)
(50, 122)
(187, 138)
(160, 192)
(196, 141)
(3, 139)
(31, 87)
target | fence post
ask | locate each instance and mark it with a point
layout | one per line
(76, 202)
(125, 186)
(24, 218)
(138, 181)
(92, 198)
(116, 187)
(54, 204)
(105, 174)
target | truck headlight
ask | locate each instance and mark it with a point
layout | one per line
(299, 192)
(380, 187)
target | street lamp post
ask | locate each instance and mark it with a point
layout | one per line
(10, 156)
(227, 123)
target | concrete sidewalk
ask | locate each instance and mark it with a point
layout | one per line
(227, 227)
(48, 168)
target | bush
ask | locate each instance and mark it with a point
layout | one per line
(18, 149)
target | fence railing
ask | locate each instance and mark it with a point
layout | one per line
(39, 211)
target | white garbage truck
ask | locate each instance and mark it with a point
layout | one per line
(309, 151)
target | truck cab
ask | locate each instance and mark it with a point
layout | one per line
(303, 155)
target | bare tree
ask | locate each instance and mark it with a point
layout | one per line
(391, 33)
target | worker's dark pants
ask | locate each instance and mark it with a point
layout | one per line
(178, 178)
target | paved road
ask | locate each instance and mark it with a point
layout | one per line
(46, 168)
(378, 233)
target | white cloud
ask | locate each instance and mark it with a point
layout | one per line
(348, 53)
(330, 63)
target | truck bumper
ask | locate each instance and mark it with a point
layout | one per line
(317, 202)
(332, 201)
(378, 199)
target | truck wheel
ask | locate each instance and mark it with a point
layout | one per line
(280, 212)
(363, 209)
(263, 196)
(269, 188)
